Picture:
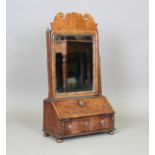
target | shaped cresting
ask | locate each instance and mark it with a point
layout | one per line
(73, 23)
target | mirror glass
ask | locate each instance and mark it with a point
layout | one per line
(74, 63)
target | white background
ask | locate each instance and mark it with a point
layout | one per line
(123, 30)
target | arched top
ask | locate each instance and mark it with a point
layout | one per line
(73, 23)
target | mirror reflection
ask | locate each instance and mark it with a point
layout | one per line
(74, 63)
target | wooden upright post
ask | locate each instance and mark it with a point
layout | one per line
(64, 71)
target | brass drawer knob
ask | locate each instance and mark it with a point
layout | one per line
(86, 123)
(102, 123)
(81, 103)
(69, 126)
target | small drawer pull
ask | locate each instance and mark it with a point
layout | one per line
(69, 126)
(81, 103)
(86, 123)
(102, 123)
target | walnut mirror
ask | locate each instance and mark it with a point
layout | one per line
(75, 104)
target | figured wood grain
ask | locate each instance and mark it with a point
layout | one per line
(73, 22)
(51, 122)
(77, 126)
(72, 108)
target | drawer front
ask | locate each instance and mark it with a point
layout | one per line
(77, 126)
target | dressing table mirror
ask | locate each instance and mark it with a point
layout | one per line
(75, 105)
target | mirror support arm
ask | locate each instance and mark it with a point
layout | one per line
(64, 69)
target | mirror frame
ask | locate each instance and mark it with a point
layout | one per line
(95, 70)
(73, 24)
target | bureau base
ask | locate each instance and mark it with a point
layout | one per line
(75, 117)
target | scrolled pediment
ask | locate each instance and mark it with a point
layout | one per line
(73, 22)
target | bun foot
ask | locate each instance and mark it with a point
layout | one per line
(111, 132)
(59, 140)
(46, 134)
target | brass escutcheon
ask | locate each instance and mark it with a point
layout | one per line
(102, 123)
(86, 123)
(81, 103)
(69, 126)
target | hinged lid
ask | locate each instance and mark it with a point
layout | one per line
(82, 108)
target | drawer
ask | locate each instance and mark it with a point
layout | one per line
(77, 126)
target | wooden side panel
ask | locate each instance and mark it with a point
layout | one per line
(51, 123)
(49, 60)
